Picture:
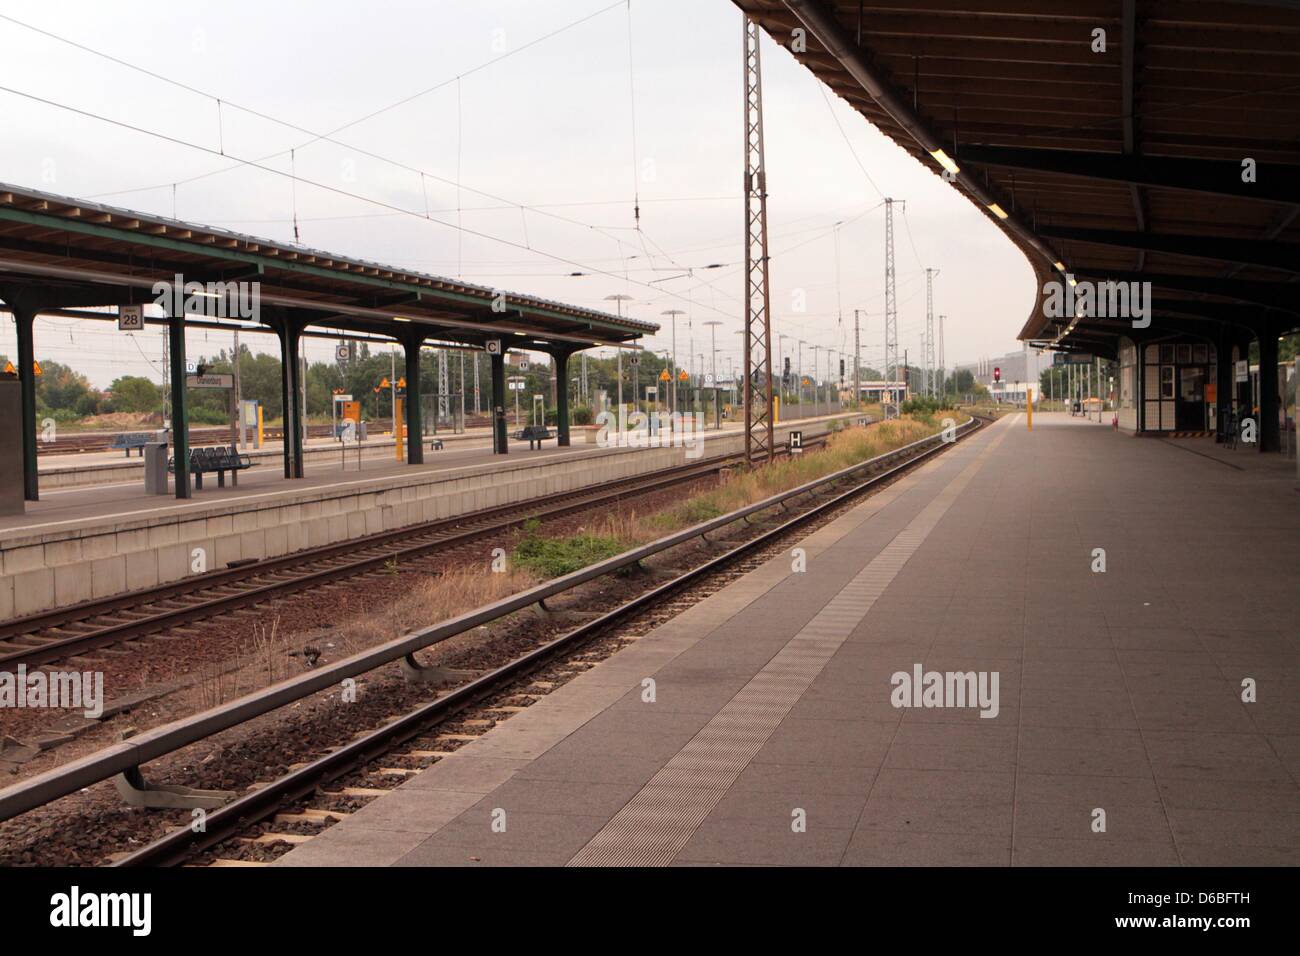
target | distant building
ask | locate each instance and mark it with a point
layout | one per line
(1024, 365)
(881, 391)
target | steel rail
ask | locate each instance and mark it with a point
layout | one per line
(565, 500)
(498, 518)
(160, 741)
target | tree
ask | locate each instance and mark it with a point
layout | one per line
(63, 393)
(133, 393)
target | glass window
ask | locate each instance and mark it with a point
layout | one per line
(1191, 384)
(1184, 355)
(1166, 381)
(1167, 354)
(1200, 354)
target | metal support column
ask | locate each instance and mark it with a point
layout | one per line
(562, 399)
(291, 392)
(1270, 432)
(499, 437)
(1223, 392)
(180, 415)
(25, 319)
(414, 425)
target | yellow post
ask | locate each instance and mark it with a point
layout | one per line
(259, 424)
(399, 429)
(776, 409)
(1029, 406)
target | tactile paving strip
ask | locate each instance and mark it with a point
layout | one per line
(653, 827)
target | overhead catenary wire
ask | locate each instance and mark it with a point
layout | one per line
(311, 182)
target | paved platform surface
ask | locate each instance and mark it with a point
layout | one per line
(773, 738)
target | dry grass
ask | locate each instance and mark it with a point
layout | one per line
(842, 449)
(431, 600)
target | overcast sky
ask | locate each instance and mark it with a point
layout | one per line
(529, 118)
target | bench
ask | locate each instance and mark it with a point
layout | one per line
(129, 440)
(219, 459)
(534, 435)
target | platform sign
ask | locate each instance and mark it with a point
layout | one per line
(515, 386)
(493, 346)
(796, 443)
(635, 358)
(341, 351)
(1243, 370)
(209, 381)
(708, 379)
(523, 365)
(130, 318)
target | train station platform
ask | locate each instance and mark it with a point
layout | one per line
(1105, 723)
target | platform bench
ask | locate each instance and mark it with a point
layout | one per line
(129, 440)
(534, 435)
(219, 459)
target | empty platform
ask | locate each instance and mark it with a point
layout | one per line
(1115, 732)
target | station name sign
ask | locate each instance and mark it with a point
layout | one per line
(209, 381)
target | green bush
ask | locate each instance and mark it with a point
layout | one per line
(553, 557)
(923, 405)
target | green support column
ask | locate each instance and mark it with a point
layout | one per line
(562, 399)
(293, 424)
(25, 319)
(1270, 432)
(180, 418)
(500, 441)
(286, 394)
(414, 429)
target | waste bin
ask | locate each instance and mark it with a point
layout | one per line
(155, 468)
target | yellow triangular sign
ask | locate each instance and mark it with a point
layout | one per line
(664, 376)
(9, 369)
(36, 367)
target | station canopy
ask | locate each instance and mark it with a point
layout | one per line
(70, 252)
(1116, 140)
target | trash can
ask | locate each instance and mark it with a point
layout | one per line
(155, 468)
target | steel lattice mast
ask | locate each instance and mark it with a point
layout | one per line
(943, 368)
(891, 304)
(758, 326)
(928, 356)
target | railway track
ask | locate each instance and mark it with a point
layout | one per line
(49, 637)
(298, 803)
